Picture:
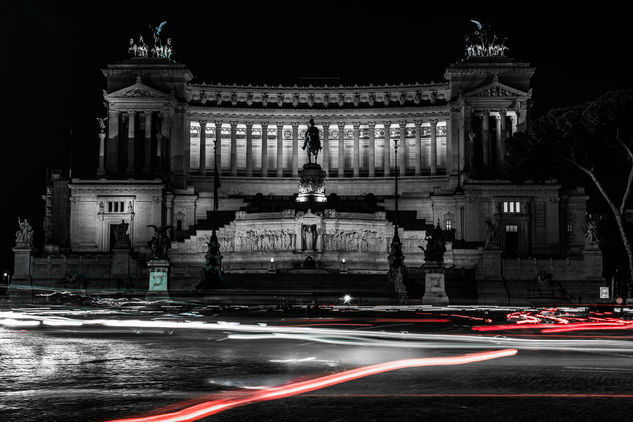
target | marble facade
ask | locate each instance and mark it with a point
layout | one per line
(167, 136)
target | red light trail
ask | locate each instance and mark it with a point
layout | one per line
(208, 408)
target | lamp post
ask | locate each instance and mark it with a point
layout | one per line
(397, 270)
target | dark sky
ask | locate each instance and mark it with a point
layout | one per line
(53, 54)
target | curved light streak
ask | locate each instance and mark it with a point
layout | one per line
(205, 409)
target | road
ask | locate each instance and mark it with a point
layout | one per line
(108, 365)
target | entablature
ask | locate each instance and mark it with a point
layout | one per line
(380, 115)
(325, 97)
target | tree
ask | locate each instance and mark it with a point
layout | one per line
(596, 140)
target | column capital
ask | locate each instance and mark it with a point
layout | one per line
(203, 123)
(402, 124)
(356, 125)
(147, 112)
(502, 112)
(233, 125)
(418, 123)
(433, 122)
(339, 124)
(249, 125)
(218, 123)
(295, 125)
(264, 124)
(387, 123)
(371, 125)
(280, 124)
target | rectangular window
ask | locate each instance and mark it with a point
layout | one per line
(512, 228)
(116, 206)
(449, 224)
(511, 207)
(570, 227)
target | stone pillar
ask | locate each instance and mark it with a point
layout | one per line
(147, 156)
(433, 147)
(218, 147)
(372, 149)
(418, 147)
(341, 149)
(402, 157)
(233, 148)
(113, 141)
(249, 149)
(356, 156)
(280, 149)
(387, 151)
(101, 170)
(485, 143)
(326, 149)
(501, 138)
(203, 147)
(295, 149)
(265, 149)
(131, 124)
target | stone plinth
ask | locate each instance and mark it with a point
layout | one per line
(120, 262)
(311, 184)
(492, 264)
(434, 291)
(158, 279)
(22, 263)
(592, 258)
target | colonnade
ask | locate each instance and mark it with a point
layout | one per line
(327, 162)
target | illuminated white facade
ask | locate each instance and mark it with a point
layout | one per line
(166, 136)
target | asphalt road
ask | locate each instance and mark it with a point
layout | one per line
(102, 372)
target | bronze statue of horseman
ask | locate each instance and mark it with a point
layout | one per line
(312, 142)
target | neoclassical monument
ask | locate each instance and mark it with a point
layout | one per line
(167, 141)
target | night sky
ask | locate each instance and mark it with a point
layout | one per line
(53, 55)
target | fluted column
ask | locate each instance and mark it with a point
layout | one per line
(249, 149)
(203, 147)
(433, 147)
(501, 138)
(356, 157)
(295, 149)
(264, 149)
(130, 142)
(147, 158)
(101, 170)
(341, 149)
(280, 149)
(218, 147)
(402, 157)
(418, 147)
(326, 149)
(387, 151)
(485, 143)
(372, 148)
(233, 148)
(113, 141)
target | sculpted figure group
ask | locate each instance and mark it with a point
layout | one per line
(312, 238)
(159, 50)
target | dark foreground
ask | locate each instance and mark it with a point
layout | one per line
(102, 371)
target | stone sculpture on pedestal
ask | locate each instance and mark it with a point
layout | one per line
(434, 292)
(311, 183)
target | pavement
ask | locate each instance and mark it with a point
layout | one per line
(124, 359)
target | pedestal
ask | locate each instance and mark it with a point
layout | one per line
(492, 264)
(21, 263)
(120, 262)
(311, 184)
(434, 291)
(158, 279)
(592, 259)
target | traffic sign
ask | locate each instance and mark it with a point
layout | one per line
(619, 301)
(604, 293)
